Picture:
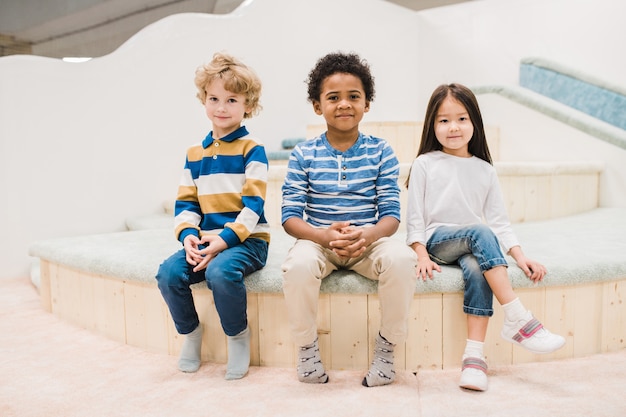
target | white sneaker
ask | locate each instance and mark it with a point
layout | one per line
(474, 374)
(530, 334)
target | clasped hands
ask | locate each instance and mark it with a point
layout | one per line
(200, 251)
(347, 241)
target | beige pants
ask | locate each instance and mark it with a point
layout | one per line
(389, 261)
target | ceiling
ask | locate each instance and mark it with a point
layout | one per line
(89, 28)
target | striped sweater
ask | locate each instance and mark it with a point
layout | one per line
(222, 189)
(324, 185)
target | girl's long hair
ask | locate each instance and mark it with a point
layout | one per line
(477, 145)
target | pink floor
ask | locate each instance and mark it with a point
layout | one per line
(51, 368)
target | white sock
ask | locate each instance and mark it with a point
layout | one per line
(474, 349)
(189, 360)
(238, 355)
(514, 311)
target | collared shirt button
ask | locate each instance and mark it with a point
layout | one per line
(214, 156)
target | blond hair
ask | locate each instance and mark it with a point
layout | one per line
(238, 78)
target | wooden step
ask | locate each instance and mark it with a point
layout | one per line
(105, 283)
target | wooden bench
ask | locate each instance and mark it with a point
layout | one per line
(106, 283)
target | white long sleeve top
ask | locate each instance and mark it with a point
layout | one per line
(446, 190)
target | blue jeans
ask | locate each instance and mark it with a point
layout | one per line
(224, 276)
(475, 249)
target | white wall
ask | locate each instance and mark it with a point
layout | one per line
(482, 42)
(528, 135)
(83, 146)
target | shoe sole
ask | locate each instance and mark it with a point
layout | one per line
(540, 352)
(473, 387)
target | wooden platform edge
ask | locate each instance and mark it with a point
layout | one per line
(592, 317)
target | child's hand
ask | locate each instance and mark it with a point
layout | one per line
(533, 269)
(191, 245)
(345, 240)
(425, 268)
(425, 265)
(213, 245)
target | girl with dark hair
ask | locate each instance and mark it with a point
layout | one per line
(456, 216)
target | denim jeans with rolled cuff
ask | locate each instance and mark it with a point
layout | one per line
(475, 249)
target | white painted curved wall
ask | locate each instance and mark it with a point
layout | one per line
(84, 146)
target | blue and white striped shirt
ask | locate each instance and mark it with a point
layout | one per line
(324, 185)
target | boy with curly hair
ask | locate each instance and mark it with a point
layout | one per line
(219, 215)
(341, 201)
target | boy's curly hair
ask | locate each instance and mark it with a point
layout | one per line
(238, 78)
(338, 62)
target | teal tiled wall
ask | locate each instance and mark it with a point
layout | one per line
(601, 103)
